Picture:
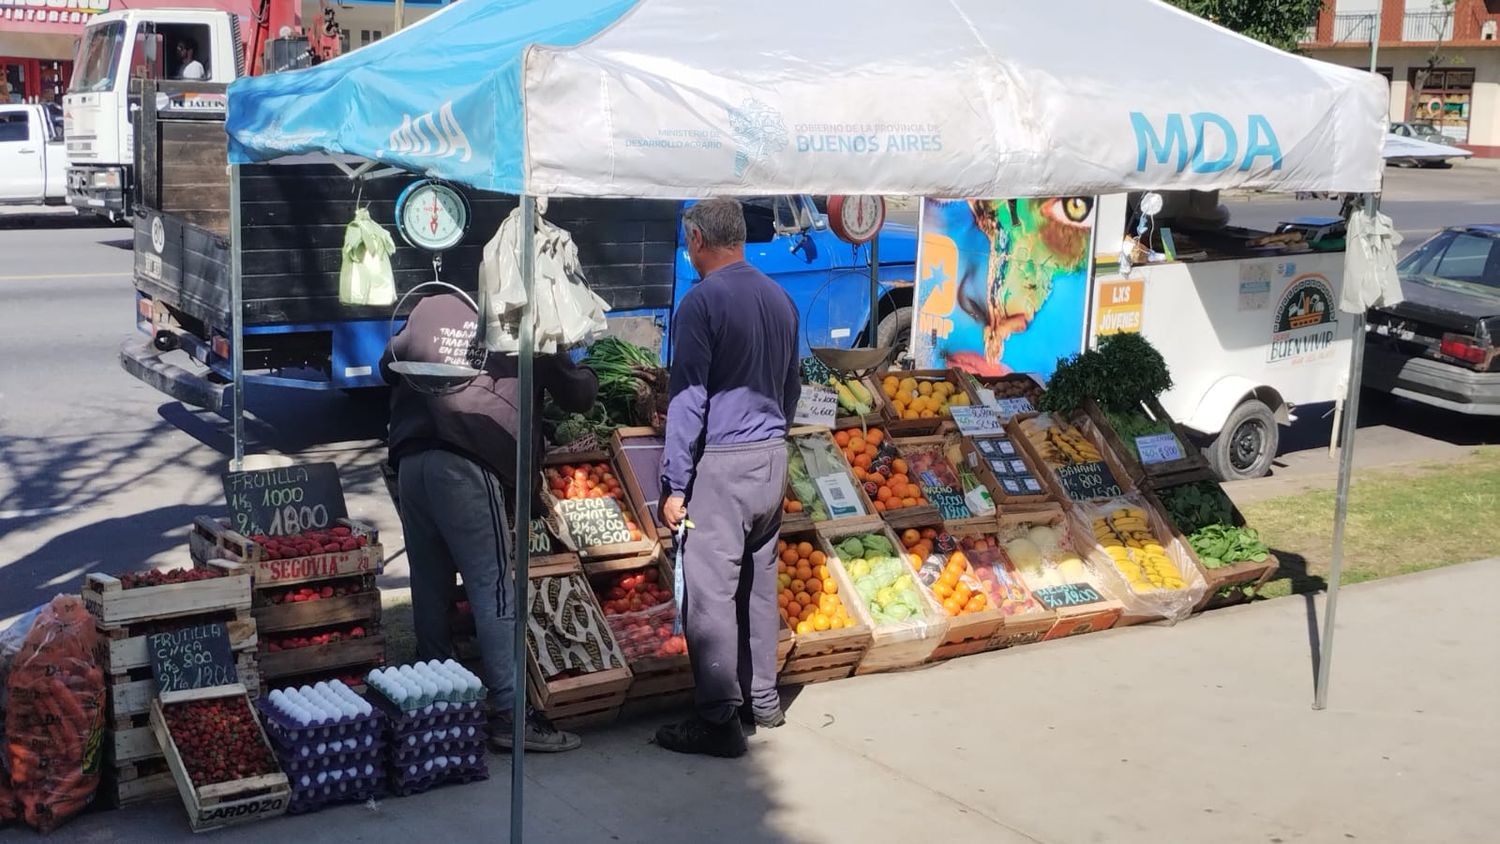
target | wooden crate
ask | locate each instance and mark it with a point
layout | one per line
(112, 605)
(362, 606)
(970, 633)
(820, 654)
(1046, 623)
(351, 656)
(584, 700)
(137, 782)
(632, 507)
(1047, 473)
(908, 446)
(1075, 621)
(1246, 575)
(227, 803)
(862, 500)
(894, 424)
(215, 539)
(645, 488)
(902, 645)
(1145, 474)
(1029, 385)
(655, 680)
(979, 463)
(1141, 608)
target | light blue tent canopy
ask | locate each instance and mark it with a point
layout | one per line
(463, 64)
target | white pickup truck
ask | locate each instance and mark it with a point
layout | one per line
(33, 161)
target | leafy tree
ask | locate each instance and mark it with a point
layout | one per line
(1280, 23)
(1435, 59)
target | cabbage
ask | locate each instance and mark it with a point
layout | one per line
(850, 548)
(898, 612)
(867, 586)
(877, 546)
(885, 570)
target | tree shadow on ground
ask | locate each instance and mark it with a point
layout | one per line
(60, 564)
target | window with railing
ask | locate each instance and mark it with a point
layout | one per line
(1427, 26)
(1353, 27)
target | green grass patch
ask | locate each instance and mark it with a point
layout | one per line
(1400, 521)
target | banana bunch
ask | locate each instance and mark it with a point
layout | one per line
(1137, 553)
(1060, 443)
(854, 398)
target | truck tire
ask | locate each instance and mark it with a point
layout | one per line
(1247, 445)
(895, 331)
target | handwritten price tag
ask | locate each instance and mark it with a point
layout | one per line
(1158, 448)
(192, 658)
(819, 405)
(1069, 595)
(977, 421)
(1015, 407)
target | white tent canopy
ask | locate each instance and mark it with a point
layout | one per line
(681, 98)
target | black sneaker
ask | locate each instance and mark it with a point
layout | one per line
(541, 736)
(769, 721)
(696, 735)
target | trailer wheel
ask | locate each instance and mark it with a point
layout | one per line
(895, 331)
(1248, 443)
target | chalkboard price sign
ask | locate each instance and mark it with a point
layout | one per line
(594, 521)
(285, 501)
(1068, 595)
(950, 502)
(1089, 481)
(195, 657)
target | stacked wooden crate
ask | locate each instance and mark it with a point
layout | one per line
(318, 615)
(135, 768)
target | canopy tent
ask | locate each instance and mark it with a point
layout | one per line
(678, 98)
(684, 99)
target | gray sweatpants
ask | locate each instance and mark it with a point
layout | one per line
(453, 513)
(729, 573)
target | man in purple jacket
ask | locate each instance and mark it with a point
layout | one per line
(734, 388)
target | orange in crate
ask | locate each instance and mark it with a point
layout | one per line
(808, 595)
(877, 465)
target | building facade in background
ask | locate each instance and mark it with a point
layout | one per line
(1442, 60)
(38, 37)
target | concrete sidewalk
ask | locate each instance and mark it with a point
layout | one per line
(1200, 732)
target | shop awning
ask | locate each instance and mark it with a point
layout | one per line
(962, 98)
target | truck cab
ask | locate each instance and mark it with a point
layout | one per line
(116, 48)
(33, 166)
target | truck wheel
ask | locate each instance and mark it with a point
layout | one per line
(1248, 443)
(895, 331)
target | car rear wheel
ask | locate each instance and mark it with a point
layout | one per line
(1248, 443)
(895, 330)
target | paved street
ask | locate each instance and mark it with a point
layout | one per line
(98, 471)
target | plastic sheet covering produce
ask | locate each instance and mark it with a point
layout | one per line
(1146, 567)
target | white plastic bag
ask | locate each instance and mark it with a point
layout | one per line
(566, 313)
(365, 277)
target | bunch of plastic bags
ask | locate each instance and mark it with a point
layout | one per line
(566, 312)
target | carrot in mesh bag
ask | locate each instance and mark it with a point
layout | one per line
(54, 715)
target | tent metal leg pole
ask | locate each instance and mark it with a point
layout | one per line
(524, 472)
(1341, 503)
(874, 338)
(237, 317)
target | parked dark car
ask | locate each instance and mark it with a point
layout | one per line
(1438, 346)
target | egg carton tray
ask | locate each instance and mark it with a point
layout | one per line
(294, 765)
(421, 752)
(315, 797)
(403, 784)
(402, 723)
(290, 734)
(374, 694)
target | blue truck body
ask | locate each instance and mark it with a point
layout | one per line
(826, 277)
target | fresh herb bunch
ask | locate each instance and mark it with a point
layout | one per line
(1123, 371)
(1222, 545)
(632, 384)
(1128, 426)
